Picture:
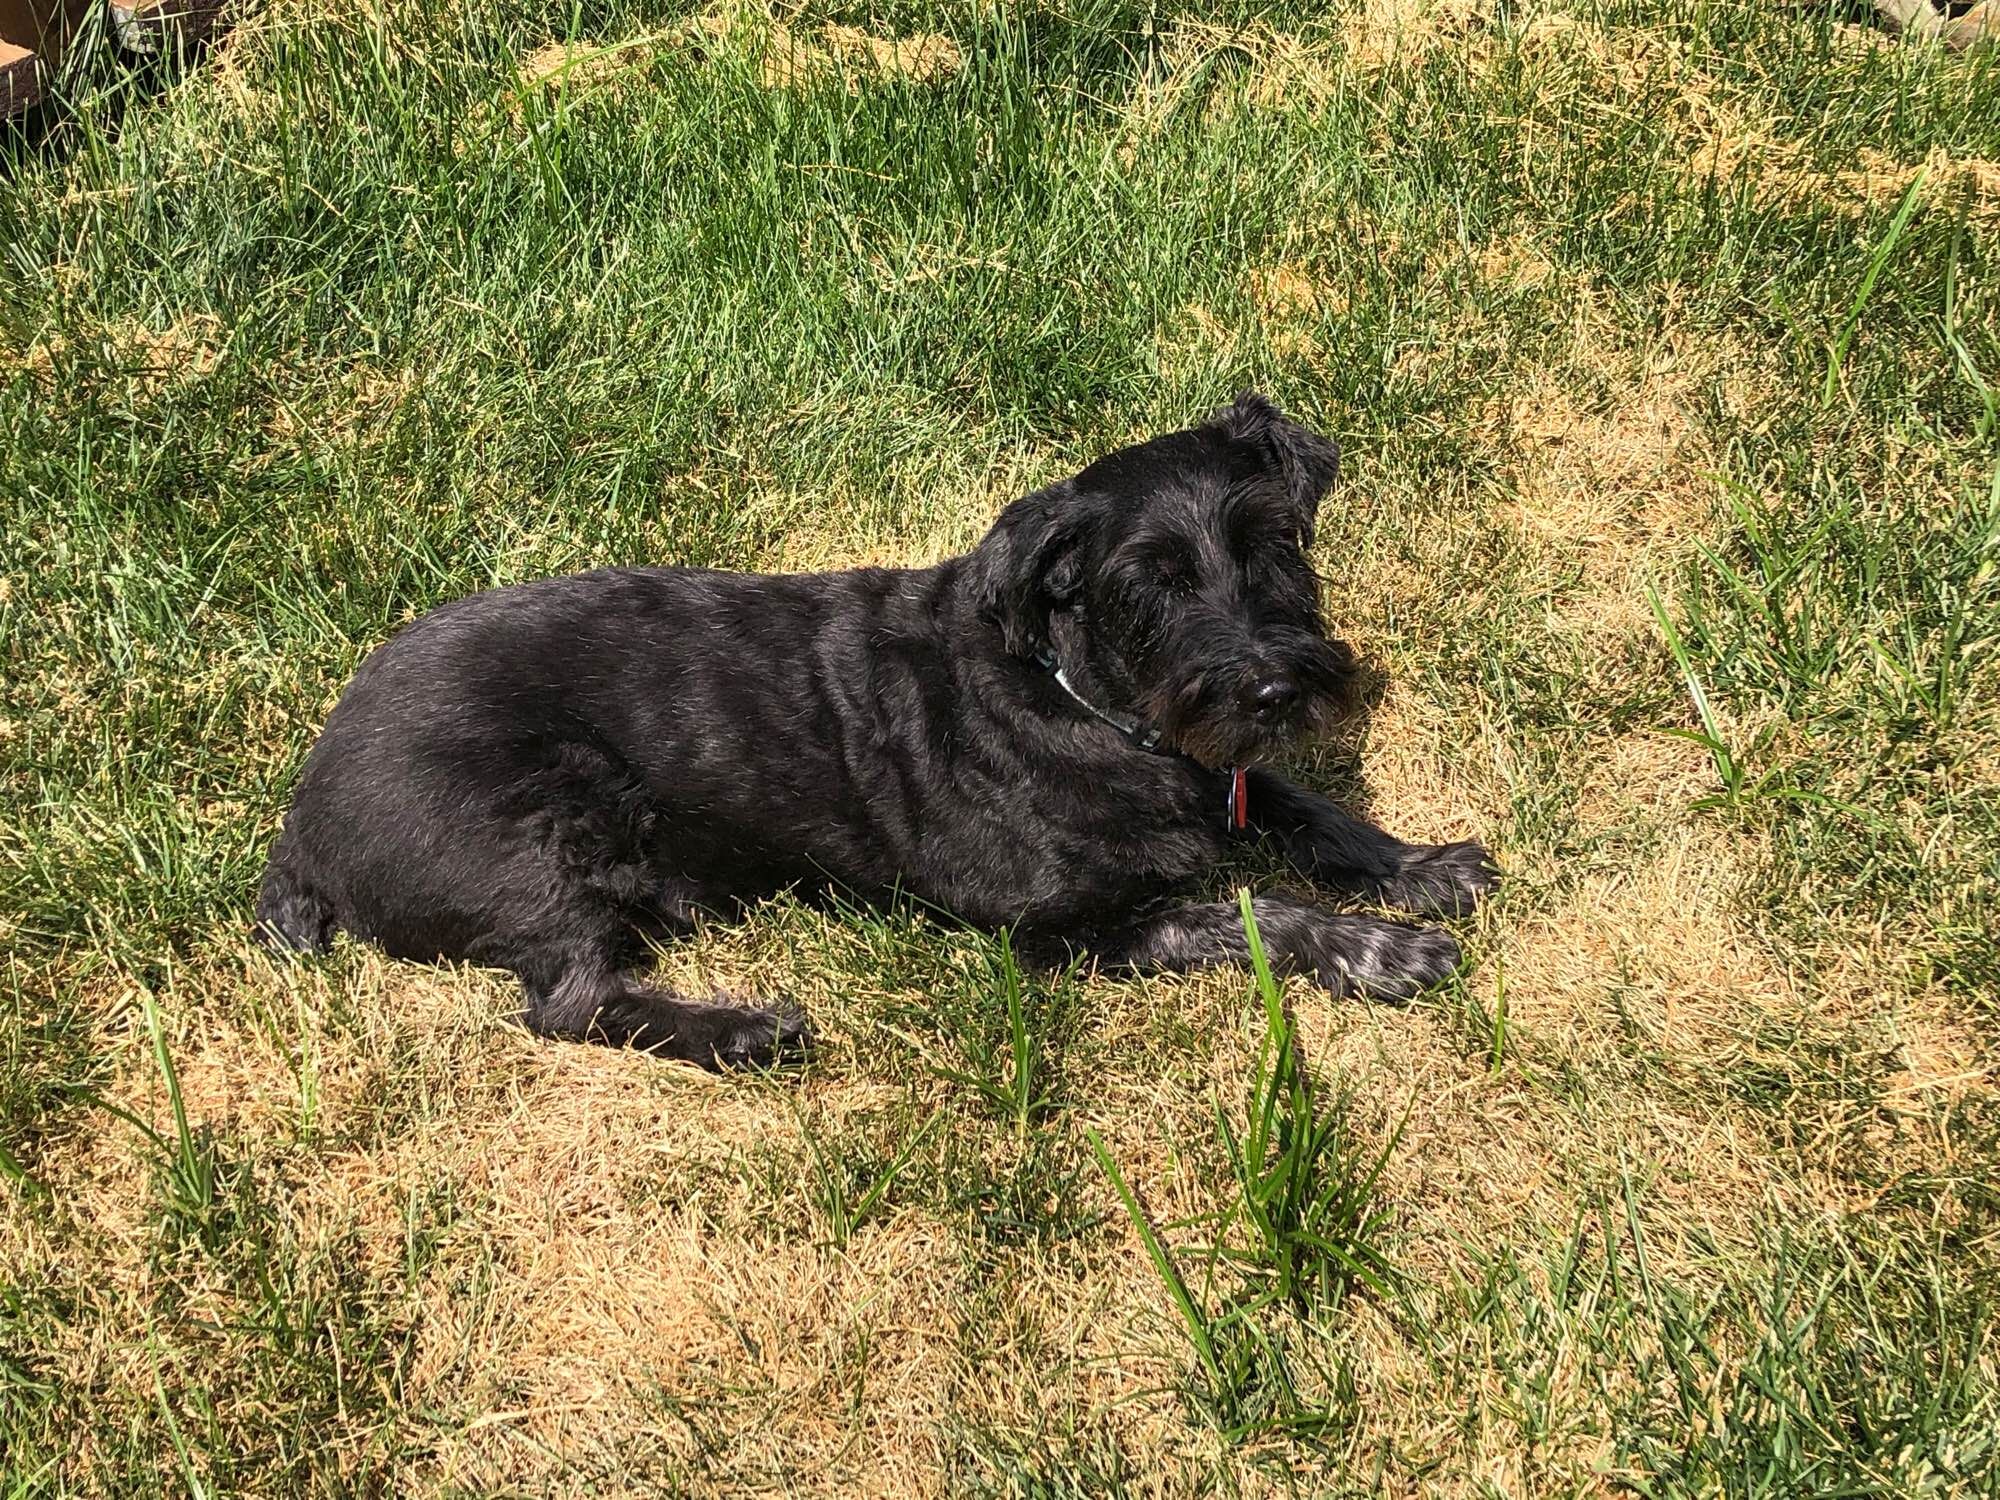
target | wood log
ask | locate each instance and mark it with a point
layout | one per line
(1980, 24)
(32, 34)
(20, 78)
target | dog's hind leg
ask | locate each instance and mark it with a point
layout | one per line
(581, 997)
(563, 896)
(290, 916)
(1349, 955)
(1344, 853)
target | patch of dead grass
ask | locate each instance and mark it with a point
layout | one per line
(1939, 1059)
(1292, 290)
(924, 57)
(1429, 777)
(1782, 172)
(789, 57)
(602, 1245)
(1485, 1156)
(1514, 262)
(1290, 297)
(786, 57)
(597, 1248)
(1610, 480)
(582, 1202)
(1728, 134)
(1379, 34)
(1640, 777)
(1610, 490)
(1196, 341)
(1683, 962)
(580, 64)
(608, 1302)
(1279, 69)
(154, 361)
(1724, 131)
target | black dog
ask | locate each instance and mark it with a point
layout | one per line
(1056, 731)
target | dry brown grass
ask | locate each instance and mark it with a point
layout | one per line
(1276, 69)
(923, 57)
(1379, 33)
(1515, 263)
(1291, 291)
(789, 57)
(1657, 952)
(604, 1239)
(1196, 340)
(1782, 172)
(599, 1207)
(1290, 298)
(151, 360)
(1728, 135)
(785, 56)
(1605, 490)
(1659, 956)
(1611, 477)
(581, 64)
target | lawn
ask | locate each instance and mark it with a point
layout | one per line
(1664, 343)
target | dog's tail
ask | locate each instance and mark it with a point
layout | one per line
(291, 918)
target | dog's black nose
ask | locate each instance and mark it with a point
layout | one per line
(1271, 698)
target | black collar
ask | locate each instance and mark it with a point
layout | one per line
(1143, 735)
(1147, 737)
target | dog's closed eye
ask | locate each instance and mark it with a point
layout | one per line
(1174, 569)
(1282, 543)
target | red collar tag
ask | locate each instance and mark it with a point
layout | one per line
(1239, 798)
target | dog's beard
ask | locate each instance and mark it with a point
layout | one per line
(1199, 708)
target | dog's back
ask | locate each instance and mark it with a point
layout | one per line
(583, 717)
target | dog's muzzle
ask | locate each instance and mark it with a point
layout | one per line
(1225, 712)
(1270, 698)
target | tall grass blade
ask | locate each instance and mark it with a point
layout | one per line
(1192, 1317)
(1836, 355)
(1711, 736)
(13, 1171)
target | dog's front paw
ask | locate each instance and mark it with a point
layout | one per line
(764, 1039)
(1442, 880)
(1386, 960)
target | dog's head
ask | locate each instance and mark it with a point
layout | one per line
(1173, 575)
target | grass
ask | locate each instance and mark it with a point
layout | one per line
(1299, 1228)
(1012, 1076)
(849, 1189)
(1303, 1223)
(1662, 340)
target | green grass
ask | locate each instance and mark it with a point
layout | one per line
(1011, 1073)
(1663, 343)
(1300, 1226)
(850, 1186)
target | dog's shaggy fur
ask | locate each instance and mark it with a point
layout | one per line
(537, 777)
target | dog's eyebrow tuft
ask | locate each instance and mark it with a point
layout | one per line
(1255, 508)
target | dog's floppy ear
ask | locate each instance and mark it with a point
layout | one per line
(1030, 562)
(1309, 461)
